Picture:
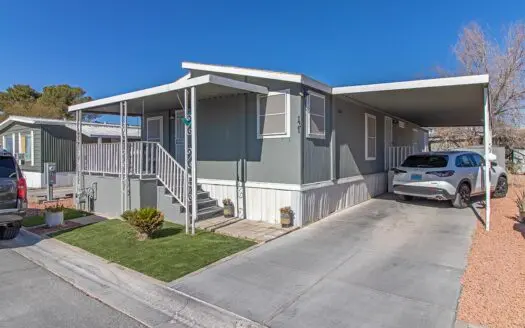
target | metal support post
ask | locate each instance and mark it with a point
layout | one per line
(79, 160)
(193, 158)
(487, 140)
(187, 158)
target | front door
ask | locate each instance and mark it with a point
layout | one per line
(179, 137)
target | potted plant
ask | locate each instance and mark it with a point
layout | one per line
(520, 203)
(228, 208)
(54, 215)
(286, 216)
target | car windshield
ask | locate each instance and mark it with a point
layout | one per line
(426, 161)
(7, 167)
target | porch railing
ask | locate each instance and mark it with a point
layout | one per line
(395, 155)
(146, 159)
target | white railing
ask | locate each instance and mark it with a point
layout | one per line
(146, 159)
(395, 155)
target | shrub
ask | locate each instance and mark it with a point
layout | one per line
(145, 220)
(227, 201)
(55, 208)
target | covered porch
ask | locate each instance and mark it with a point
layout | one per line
(155, 158)
(444, 102)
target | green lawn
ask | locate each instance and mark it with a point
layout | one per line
(69, 213)
(169, 255)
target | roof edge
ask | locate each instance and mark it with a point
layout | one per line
(414, 84)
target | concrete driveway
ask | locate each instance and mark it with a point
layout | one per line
(379, 264)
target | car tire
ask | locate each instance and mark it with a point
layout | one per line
(502, 188)
(405, 198)
(11, 231)
(462, 197)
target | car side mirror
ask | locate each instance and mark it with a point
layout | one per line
(491, 157)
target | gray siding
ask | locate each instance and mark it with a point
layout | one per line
(58, 146)
(316, 152)
(350, 135)
(228, 147)
(26, 129)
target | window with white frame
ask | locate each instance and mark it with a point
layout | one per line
(7, 143)
(273, 115)
(315, 115)
(370, 137)
(25, 147)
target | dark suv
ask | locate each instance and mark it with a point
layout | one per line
(13, 196)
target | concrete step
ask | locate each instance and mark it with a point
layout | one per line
(209, 212)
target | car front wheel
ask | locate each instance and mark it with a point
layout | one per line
(501, 188)
(462, 197)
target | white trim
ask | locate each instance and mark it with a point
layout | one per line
(366, 137)
(264, 74)
(415, 84)
(20, 147)
(32, 148)
(287, 108)
(174, 86)
(156, 118)
(14, 144)
(252, 184)
(3, 141)
(309, 134)
(288, 186)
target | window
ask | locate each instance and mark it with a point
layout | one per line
(370, 137)
(415, 139)
(464, 161)
(315, 115)
(426, 161)
(7, 167)
(25, 147)
(7, 143)
(154, 129)
(477, 160)
(273, 115)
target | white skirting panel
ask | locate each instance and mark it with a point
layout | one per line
(258, 201)
(321, 202)
(312, 202)
(33, 179)
(36, 179)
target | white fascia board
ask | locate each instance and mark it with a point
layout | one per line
(272, 75)
(416, 84)
(177, 85)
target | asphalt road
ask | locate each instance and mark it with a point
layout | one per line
(31, 296)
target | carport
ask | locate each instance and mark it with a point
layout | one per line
(443, 102)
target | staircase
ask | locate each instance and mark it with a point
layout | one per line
(175, 212)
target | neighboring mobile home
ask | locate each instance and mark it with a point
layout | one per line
(36, 141)
(266, 140)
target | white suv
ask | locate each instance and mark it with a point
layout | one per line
(450, 175)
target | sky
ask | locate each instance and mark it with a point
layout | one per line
(110, 47)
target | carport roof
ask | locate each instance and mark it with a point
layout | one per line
(453, 101)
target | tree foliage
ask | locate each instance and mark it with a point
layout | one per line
(52, 102)
(503, 59)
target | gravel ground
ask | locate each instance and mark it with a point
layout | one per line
(494, 283)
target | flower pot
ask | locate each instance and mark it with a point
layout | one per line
(54, 219)
(286, 220)
(229, 211)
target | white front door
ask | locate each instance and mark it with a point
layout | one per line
(154, 126)
(179, 137)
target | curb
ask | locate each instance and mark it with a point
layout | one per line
(142, 298)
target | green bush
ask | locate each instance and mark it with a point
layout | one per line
(145, 220)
